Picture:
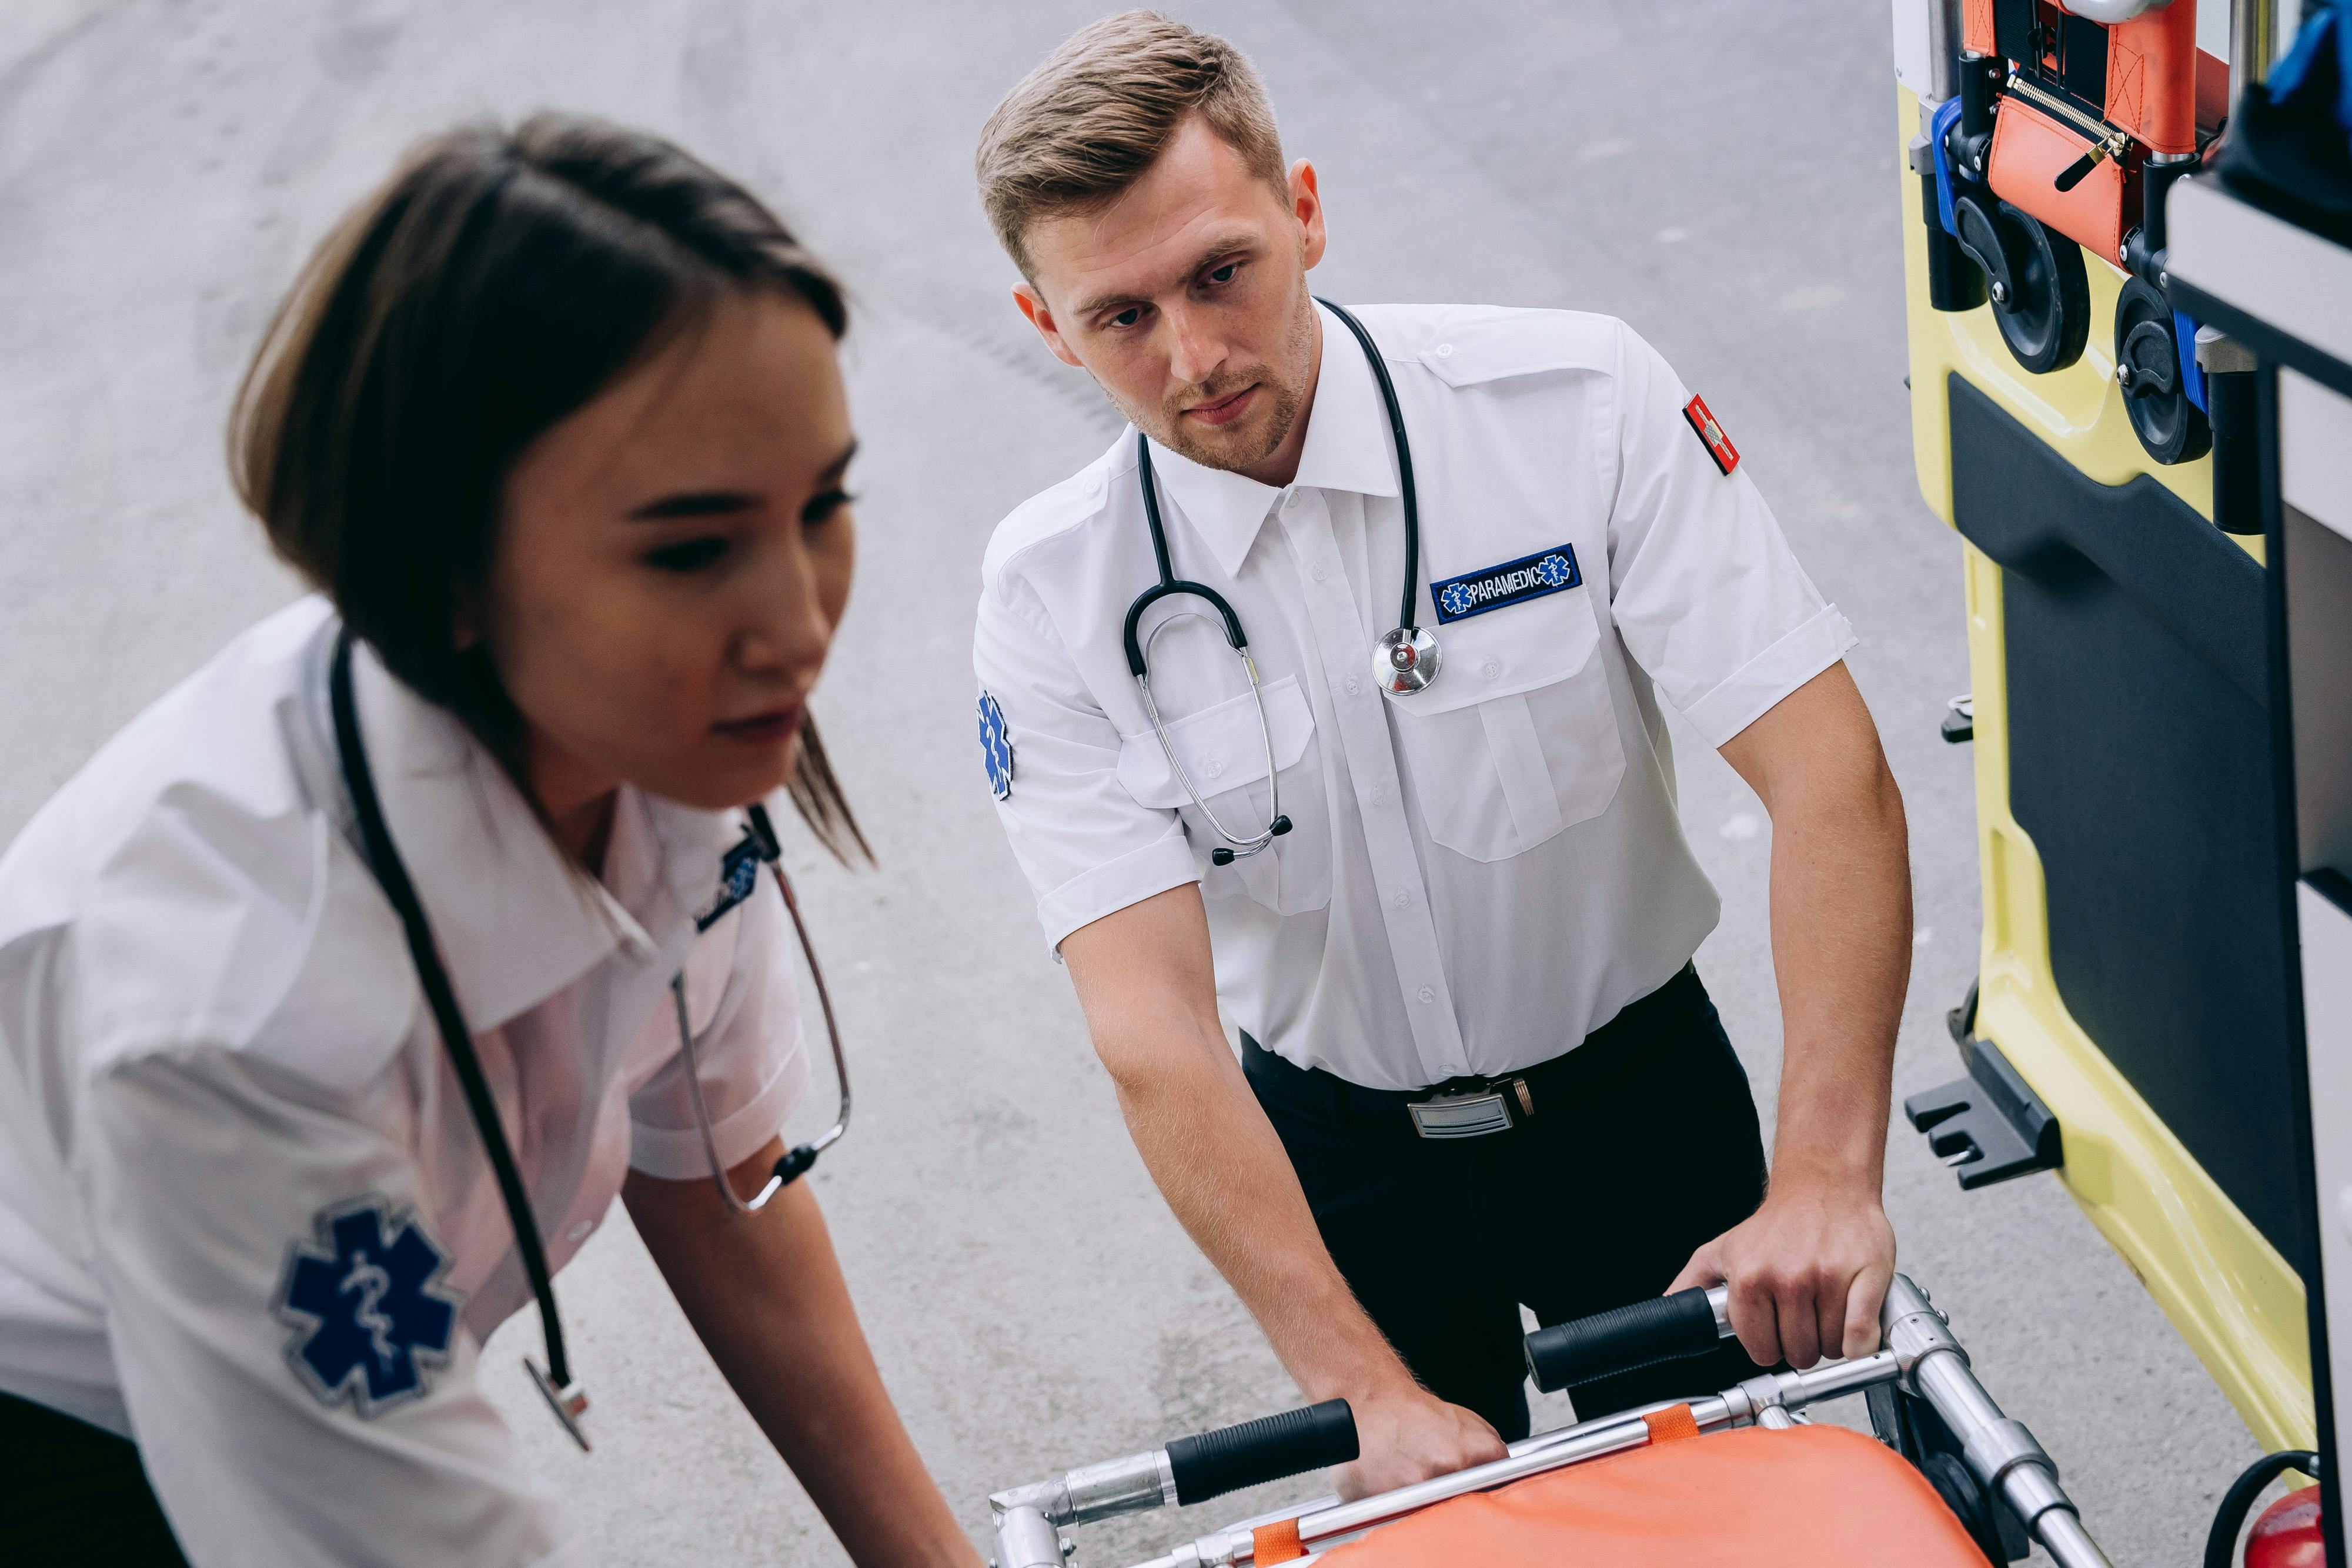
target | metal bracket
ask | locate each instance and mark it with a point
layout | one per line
(1988, 1126)
(1959, 723)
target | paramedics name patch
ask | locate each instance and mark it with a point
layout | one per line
(1513, 582)
(1719, 445)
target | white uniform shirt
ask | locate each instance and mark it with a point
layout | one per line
(1479, 874)
(220, 1087)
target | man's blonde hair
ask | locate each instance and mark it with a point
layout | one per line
(1086, 123)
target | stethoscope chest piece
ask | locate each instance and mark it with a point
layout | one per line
(1406, 660)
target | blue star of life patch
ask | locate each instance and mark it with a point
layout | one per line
(369, 1315)
(1513, 582)
(996, 750)
(738, 874)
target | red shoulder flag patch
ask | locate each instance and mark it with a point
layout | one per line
(1719, 445)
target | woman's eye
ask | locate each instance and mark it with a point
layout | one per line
(821, 509)
(692, 555)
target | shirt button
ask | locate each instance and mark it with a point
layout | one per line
(1354, 685)
(1444, 352)
(580, 1232)
(1491, 669)
(1214, 767)
(1428, 994)
(1318, 574)
(1403, 901)
(1379, 794)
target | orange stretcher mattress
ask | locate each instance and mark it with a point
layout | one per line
(1809, 1497)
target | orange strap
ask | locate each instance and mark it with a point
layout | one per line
(1275, 1542)
(1671, 1424)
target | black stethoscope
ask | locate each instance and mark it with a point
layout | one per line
(739, 879)
(1404, 661)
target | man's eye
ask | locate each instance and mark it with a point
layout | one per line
(821, 509)
(1129, 316)
(1224, 274)
(693, 555)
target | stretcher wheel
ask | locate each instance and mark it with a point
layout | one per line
(2149, 369)
(1950, 1477)
(2041, 292)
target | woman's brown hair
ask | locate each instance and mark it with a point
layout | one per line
(496, 284)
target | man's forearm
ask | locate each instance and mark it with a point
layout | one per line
(1809, 1269)
(1224, 1174)
(766, 1295)
(1145, 977)
(1842, 951)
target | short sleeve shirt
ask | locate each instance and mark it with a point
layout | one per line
(246, 1217)
(1481, 872)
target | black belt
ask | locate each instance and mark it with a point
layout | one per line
(1470, 1107)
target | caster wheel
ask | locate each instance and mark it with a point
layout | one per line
(1969, 1503)
(2148, 358)
(2041, 293)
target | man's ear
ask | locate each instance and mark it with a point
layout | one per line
(1306, 205)
(1032, 305)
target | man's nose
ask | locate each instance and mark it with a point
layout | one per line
(1195, 353)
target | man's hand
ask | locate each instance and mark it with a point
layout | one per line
(1806, 1271)
(1406, 1434)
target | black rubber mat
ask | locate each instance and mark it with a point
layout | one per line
(2140, 765)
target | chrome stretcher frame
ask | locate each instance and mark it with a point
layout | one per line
(1919, 1354)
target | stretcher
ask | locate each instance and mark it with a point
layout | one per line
(1741, 1474)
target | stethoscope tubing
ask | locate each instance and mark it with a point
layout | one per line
(393, 877)
(802, 1156)
(1410, 493)
(1266, 729)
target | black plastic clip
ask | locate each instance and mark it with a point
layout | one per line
(1988, 1126)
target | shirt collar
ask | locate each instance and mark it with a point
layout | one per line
(1347, 448)
(515, 921)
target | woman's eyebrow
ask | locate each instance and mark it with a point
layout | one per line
(718, 503)
(693, 503)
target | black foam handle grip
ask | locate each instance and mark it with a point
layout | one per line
(1265, 1449)
(1624, 1339)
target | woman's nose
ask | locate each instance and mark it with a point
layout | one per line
(787, 628)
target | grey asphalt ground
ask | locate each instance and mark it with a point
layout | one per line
(1720, 172)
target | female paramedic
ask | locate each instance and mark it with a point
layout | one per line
(344, 988)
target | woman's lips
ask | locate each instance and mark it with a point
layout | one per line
(1226, 410)
(762, 729)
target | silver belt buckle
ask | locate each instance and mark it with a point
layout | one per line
(1471, 1115)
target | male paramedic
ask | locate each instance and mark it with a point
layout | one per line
(1477, 1068)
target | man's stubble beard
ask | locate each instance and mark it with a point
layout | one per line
(1288, 395)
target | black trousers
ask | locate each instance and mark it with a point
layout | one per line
(74, 1493)
(1643, 1146)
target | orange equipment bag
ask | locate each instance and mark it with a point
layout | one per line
(2154, 91)
(1806, 1497)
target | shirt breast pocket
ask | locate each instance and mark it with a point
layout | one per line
(1516, 741)
(1223, 750)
